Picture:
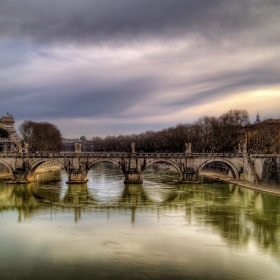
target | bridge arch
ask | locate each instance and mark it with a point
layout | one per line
(231, 166)
(152, 161)
(7, 165)
(102, 160)
(92, 163)
(37, 163)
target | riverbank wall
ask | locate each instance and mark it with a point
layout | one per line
(44, 169)
(275, 190)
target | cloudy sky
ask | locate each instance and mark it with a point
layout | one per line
(110, 67)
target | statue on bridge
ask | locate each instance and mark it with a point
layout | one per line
(20, 148)
(245, 148)
(26, 147)
(78, 147)
(188, 148)
(239, 148)
(133, 148)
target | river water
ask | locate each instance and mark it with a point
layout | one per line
(158, 230)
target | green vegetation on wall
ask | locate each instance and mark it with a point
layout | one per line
(3, 133)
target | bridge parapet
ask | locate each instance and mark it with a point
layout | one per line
(215, 155)
(189, 155)
(61, 155)
(265, 155)
(126, 155)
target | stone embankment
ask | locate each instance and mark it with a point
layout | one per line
(48, 169)
(5, 176)
(44, 169)
(225, 178)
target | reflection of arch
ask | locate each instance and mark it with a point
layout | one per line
(170, 197)
(7, 165)
(107, 203)
(231, 166)
(6, 193)
(77, 194)
(151, 162)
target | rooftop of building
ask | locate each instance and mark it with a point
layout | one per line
(258, 122)
(7, 123)
(8, 117)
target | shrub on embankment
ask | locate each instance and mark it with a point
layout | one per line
(271, 172)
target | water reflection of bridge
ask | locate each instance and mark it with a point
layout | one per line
(205, 206)
(238, 214)
(28, 199)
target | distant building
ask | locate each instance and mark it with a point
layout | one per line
(7, 122)
(68, 145)
(10, 144)
(263, 137)
(88, 146)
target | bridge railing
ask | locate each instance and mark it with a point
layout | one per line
(184, 155)
(73, 154)
(231, 155)
(124, 154)
(264, 155)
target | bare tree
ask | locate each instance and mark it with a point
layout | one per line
(207, 134)
(231, 124)
(41, 136)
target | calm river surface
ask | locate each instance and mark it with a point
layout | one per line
(158, 230)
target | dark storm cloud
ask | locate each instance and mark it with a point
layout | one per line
(120, 21)
(62, 102)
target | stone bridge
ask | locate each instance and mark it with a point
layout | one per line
(22, 166)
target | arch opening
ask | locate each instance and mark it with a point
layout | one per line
(44, 167)
(49, 180)
(219, 167)
(102, 163)
(5, 171)
(161, 171)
